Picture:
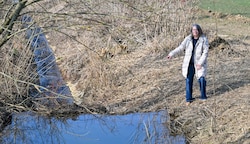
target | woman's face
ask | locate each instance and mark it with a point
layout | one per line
(195, 32)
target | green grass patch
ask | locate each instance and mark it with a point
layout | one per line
(233, 7)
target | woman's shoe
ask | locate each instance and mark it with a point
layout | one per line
(188, 103)
(203, 100)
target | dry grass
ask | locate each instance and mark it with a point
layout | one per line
(112, 55)
(16, 65)
(98, 39)
(139, 79)
(18, 73)
(109, 52)
(142, 80)
(224, 117)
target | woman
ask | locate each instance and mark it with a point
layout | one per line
(195, 61)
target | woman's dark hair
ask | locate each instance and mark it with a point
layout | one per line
(198, 27)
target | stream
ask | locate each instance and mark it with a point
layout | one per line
(137, 128)
(30, 128)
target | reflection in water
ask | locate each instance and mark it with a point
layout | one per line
(90, 129)
(50, 78)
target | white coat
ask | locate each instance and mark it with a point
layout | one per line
(200, 55)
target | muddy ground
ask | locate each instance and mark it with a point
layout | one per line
(147, 81)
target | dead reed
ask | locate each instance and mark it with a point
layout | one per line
(112, 55)
(16, 65)
(105, 39)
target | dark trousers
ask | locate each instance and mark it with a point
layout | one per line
(189, 84)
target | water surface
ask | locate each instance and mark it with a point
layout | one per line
(90, 129)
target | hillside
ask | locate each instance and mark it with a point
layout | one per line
(112, 54)
(149, 82)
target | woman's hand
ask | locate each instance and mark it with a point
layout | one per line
(169, 57)
(198, 67)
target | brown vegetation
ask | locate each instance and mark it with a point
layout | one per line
(143, 80)
(224, 117)
(112, 54)
(88, 39)
(105, 62)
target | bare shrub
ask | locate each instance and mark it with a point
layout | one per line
(17, 73)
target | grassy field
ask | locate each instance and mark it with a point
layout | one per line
(233, 7)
